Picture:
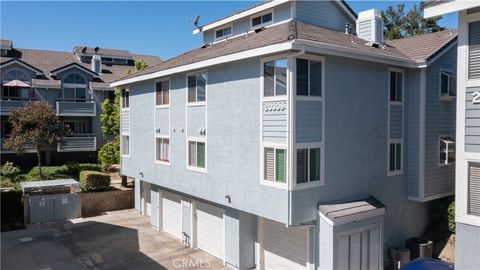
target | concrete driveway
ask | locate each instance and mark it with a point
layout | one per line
(117, 240)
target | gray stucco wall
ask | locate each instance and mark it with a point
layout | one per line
(466, 254)
(439, 120)
(323, 13)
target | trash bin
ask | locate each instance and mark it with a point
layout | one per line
(399, 257)
(420, 248)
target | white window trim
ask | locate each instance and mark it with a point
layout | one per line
(310, 184)
(223, 27)
(438, 149)
(196, 103)
(262, 165)
(122, 146)
(127, 89)
(193, 168)
(311, 58)
(398, 70)
(169, 150)
(452, 74)
(252, 27)
(155, 91)
(262, 79)
(395, 172)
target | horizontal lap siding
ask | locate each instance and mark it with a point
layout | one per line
(125, 122)
(309, 121)
(472, 122)
(274, 122)
(439, 120)
(396, 121)
(412, 130)
(323, 13)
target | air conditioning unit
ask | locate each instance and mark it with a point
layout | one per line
(400, 257)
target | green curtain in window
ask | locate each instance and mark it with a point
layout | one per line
(201, 155)
(314, 164)
(280, 165)
(398, 152)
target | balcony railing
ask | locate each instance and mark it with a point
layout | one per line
(76, 107)
(28, 148)
(78, 143)
(7, 105)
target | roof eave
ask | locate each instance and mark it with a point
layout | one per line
(443, 8)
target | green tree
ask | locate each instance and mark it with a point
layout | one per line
(37, 125)
(397, 24)
(109, 154)
(139, 65)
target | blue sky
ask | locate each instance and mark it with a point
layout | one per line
(159, 28)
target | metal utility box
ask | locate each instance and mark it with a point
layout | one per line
(51, 200)
(420, 248)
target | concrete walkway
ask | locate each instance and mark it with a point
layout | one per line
(117, 240)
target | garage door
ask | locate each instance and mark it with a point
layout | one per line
(360, 250)
(172, 214)
(285, 248)
(210, 229)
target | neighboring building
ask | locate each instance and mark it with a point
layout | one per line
(72, 84)
(467, 190)
(286, 143)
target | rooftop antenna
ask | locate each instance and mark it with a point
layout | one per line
(195, 21)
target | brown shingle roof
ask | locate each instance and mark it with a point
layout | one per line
(424, 47)
(46, 61)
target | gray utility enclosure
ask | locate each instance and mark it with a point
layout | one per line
(51, 200)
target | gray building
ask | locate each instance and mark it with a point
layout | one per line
(72, 83)
(295, 137)
(467, 186)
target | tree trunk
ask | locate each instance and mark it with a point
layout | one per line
(39, 159)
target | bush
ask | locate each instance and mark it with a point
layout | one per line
(109, 154)
(94, 181)
(9, 171)
(451, 216)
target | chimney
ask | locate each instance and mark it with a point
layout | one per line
(370, 26)
(97, 64)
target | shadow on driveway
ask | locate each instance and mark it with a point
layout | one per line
(118, 240)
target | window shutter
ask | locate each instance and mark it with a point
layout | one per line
(192, 161)
(201, 155)
(301, 166)
(158, 147)
(474, 189)
(280, 166)
(474, 50)
(269, 164)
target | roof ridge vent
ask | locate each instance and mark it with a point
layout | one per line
(259, 29)
(205, 45)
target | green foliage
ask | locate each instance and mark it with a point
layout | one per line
(9, 171)
(451, 216)
(94, 181)
(109, 154)
(139, 65)
(37, 125)
(110, 116)
(397, 24)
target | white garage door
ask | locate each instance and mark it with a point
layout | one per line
(172, 214)
(146, 196)
(360, 250)
(285, 248)
(210, 229)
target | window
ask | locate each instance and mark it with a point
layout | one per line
(162, 93)
(224, 32)
(274, 164)
(7, 128)
(308, 165)
(275, 78)
(448, 84)
(446, 150)
(17, 92)
(395, 158)
(196, 154)
(396, 86)
(262, 19)
(125, 145)
(125, 98)
(162, 153)
(309, 78)
(474, 50)
(74, 87)
(197, 88)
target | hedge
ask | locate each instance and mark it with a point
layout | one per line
(94, 181)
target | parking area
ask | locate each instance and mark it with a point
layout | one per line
(117, 240)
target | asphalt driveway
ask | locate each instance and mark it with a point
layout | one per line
(117, 240)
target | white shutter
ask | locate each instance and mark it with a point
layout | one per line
(269, 164)
(193, 154)
(474, 50)
(474, 189)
